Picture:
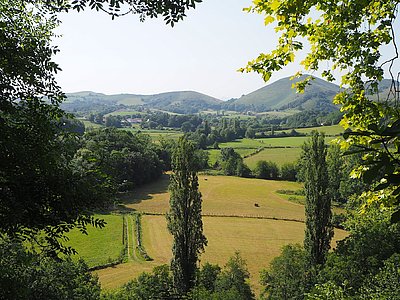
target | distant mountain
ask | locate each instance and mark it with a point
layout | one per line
(179, 102)
(280, 95)
(385, 90)
(182, 102)
(276, 96)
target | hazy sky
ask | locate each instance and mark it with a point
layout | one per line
(201, 53)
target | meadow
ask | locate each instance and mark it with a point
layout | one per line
(280, 156)
(156, 134)
(224, 196)
(232, 222)
(100, 246)
(280, 150)
(333, 130)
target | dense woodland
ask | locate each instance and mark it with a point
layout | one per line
(55, 175)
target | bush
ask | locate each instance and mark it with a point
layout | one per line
(266, 170)
(30, 276)
(289, 172)
(285, 278)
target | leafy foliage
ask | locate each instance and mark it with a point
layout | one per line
(266, 170)
(228, 284)
(184, 218)
(285, 277)
(319, 229)
(232, 163)
(40, 188)
(129, 160)
(31, 276)
(372, 240)
(350, 35)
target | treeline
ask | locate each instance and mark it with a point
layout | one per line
(211, 282)
(364, 265)
(128, 160)
(261, 126)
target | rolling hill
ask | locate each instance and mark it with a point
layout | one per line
(178, 102)
(280, 95)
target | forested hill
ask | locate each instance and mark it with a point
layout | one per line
(185, 102)
(280, 95)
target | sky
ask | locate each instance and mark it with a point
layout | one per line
(201, 53)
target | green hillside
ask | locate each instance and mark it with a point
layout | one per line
(182, 102)
(280, 95)
(177, 102)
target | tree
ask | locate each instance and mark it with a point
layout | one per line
(285, 277)
(335, 165)
(350, 36)
(372, 240)
(289, 171)
(250, 133)
(41, 190)
(184, 217)
(233, 278)
(266, 170)
(232, 163)
(319, 229)
(28, 275)
(128, 159)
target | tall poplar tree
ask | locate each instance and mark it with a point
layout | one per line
(184, 217)
(319, 230)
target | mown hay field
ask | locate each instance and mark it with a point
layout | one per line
(257, 240)
(224, 195)
(232, 222)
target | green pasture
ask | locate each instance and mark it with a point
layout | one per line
(277, 149)
(279, 156)
(156, 134)
(100, 246)
(243, 143)
(123, 113)
(89, 124)
(333, 130)
(214, 155)
(279, 114)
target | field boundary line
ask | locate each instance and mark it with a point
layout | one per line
(235, 216)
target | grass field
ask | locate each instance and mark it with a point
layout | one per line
(332, 130)
(278, 149)
(123, 113)
(100, 245)
(157, 134)
(225, 236)
(89, 124)
(243, 143)
(231, 220)
(278, 155)
(224, 195)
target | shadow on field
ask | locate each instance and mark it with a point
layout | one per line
(146, 192)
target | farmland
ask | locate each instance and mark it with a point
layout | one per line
(232, 223)
(99, 246)
(239, 214)
(333, 130)
(280, 150)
